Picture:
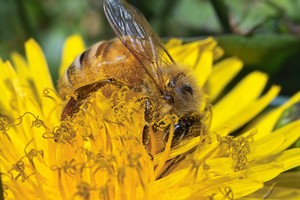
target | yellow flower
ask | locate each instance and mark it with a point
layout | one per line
(99, 155)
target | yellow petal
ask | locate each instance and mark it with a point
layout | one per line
(193, 50)
(73, 46)
(203, 67)
(285, 186)
(38, 67)
(40, 82)
(238, 98)
(241, 188)
(290, 158)
(218, 53)
(275, 142)
(266, 123)
(220, 166)
(173, 42)
(222, 189)
(264, 172)
(7, 71)
(267, 168)
(251, 110)
(222, 73)
(6, 86)
(20, 65)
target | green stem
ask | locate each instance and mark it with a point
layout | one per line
(166, 13)
(24, 18)
(222, 13)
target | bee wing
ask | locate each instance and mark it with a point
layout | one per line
(136, 34)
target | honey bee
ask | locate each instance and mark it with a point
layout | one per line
(138, 60)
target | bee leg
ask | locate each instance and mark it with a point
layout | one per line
(84, 92)
(148, 116)
(187, 127)
(148, 113)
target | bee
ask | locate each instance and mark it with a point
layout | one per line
(138, 60)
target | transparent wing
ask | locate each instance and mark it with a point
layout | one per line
(136, 34)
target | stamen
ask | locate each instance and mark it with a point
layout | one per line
(19, 170)
(35, 123)
(238, 148)
(83, 190)
(49, 93)
(227, 192)
(62, 134)
(212, 196)
(32, 153)
(5, 126)
(68, 167)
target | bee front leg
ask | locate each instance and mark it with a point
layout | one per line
(148, 113)
(84, 92)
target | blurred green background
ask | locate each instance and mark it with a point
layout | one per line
(264, 34)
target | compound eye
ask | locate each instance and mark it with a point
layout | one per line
(187, 89)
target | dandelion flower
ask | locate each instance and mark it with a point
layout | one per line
(100, 155)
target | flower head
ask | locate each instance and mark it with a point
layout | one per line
(99, 154)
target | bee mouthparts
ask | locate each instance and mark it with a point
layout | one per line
(169, 98)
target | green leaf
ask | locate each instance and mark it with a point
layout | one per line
(193, 15)
(245, 15)
(289, 115)
(267, 51)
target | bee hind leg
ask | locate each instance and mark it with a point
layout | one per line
(83, 93)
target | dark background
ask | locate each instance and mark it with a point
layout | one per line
(264, 34)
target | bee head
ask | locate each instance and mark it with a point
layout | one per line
(183, 93)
